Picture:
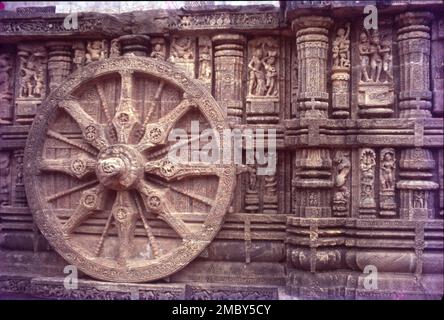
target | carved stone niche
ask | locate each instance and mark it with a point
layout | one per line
(183, 53)
(99, 179)
(31, 81)
(375, 87)
(263, 80)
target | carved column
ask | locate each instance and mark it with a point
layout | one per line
(416, 164)
(414, 54)
(136, 45)
(59, 62)
(312, 48)
(312, 180)
(229, 65)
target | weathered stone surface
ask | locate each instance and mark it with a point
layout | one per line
(85, 115)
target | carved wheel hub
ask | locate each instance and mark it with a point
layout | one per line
(119, 167)
(98, 178)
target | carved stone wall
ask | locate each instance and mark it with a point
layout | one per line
(359, 135)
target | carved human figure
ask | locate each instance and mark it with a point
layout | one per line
(32, 74)
(256, 85)
(364, 51)
(375, 57)
(95, 51)
(181, 49)
(270, 73)
(388, 168)
(341, 45)
(158, 52)
(252, 179)
(387, 60)
(114, 48)
(419, 199)
(205, 63)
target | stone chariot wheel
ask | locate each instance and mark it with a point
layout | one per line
(100, 183)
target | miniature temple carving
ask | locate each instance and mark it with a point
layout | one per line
(59, 62)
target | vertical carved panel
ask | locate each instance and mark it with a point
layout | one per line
(438, 66)
(387, 175)
(5, 178)
(340, 76)
(367, 165)
(228, 67)
(183, 53)
(263, 85)
(341, 196)
(79, 52)
(205, 72)
(31, 82)
(6, 87)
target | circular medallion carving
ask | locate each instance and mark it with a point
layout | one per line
(98, 179)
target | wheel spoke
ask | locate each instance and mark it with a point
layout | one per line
(197, 197)
(157, 133)
(125, 117)
(91, 201)
(176, 171)
(93, 132)
(156, 202)
(70, 142)
(78, 168)
(149, 232)
(125, 218)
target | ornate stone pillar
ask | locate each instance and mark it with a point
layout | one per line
(312, 180)
(229, 50)
(137, 45)
(416, 164)
(414, 54)
(312, 50)
(59, 62)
